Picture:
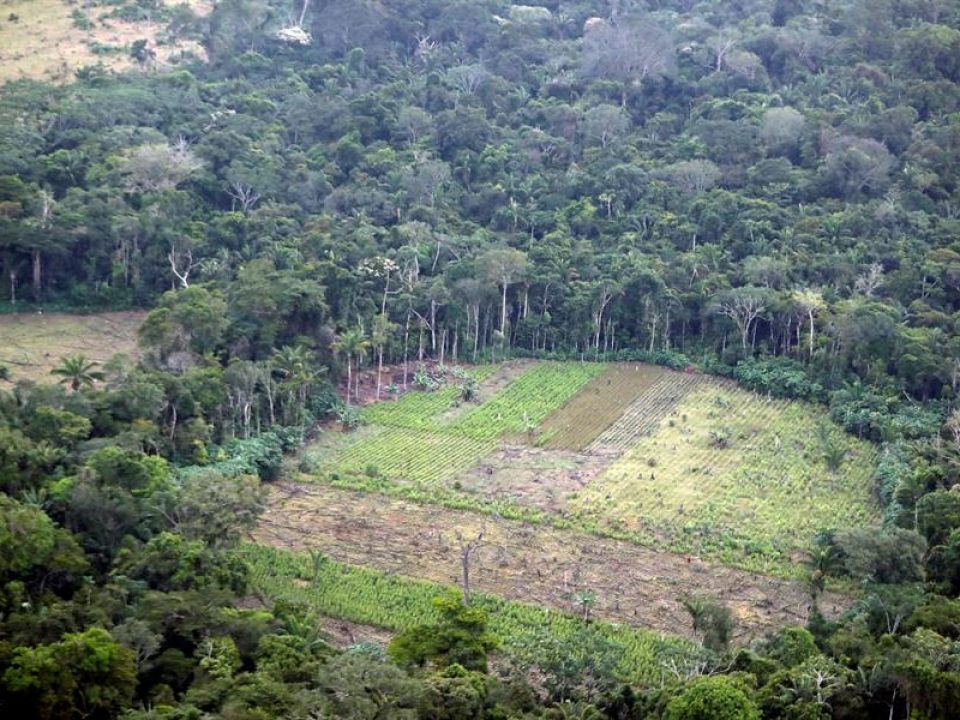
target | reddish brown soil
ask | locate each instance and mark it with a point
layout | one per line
(535, 564)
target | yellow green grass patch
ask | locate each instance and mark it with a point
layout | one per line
(726, 462)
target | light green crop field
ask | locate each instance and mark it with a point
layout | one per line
(728, 463)
(680, 462)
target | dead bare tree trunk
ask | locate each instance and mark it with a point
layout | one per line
(467, 549)
(184, 274)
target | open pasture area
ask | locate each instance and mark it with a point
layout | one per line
(51, 39)
(673, 461)
(32, 344)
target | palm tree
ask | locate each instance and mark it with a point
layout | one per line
(77, 371)
(353, 344)
(294, 365)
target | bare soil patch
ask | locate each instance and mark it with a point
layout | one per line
(344, 633)
(534, 564)
(534, 477)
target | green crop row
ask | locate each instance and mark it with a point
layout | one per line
(396, 603)
(412, 455)
(407, 440)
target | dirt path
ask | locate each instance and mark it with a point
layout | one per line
(535, 564)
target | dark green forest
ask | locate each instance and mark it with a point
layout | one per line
(768, 190)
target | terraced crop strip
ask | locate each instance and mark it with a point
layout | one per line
(599, 404)
(646, 411)
(731, 468)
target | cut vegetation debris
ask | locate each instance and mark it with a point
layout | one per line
(531, 563)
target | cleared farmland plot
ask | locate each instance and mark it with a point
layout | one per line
(692, 464)
(532, 477)
(728, 468)
(423, 437)
(644, 414)
(519, 561)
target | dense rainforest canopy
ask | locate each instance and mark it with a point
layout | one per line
(768, 189)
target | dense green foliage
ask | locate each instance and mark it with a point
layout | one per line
(759, 177)
(766, 188)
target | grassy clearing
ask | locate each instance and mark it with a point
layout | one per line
(40, 40)
(396, 603)
(728, 463)
(31, 344)
(598, 405)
